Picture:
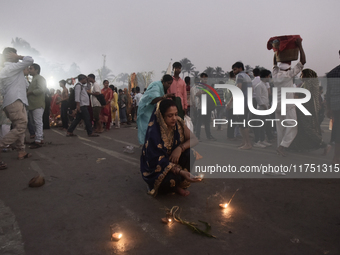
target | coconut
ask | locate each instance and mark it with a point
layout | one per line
(37, 181)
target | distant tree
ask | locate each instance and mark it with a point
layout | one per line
(219, 73)
(195, 74)
(24, 47)
(210, 71)
(187, 66)
(123, 77)
(226, 75)
(106, 74)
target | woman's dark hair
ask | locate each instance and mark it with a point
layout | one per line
(105, 81)
(112, 87)
(165, 105)
(167, 77)
(120, 90)
(309, 73)
(187, 80)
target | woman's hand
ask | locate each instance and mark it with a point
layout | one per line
(175, 155)
(169, 95)
(188, 177)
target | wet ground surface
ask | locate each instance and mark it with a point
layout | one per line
(92, 184)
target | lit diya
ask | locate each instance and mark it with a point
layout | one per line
(166, 220)
(116, 237)
(223, 206)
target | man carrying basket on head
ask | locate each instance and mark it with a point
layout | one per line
(283, 77)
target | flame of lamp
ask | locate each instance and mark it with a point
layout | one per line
(166, 220)
(116, 236)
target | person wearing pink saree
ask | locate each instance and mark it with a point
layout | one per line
(105, 114)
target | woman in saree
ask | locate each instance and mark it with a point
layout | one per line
(309, 132)
(122, 101)
(156, 91)
(114, 107)
(55, 104)
(166, 158)
(105, 114)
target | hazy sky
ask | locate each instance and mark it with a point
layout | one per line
(144, 35)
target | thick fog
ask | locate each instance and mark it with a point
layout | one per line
(113, 39)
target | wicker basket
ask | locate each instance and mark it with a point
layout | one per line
(287, 55)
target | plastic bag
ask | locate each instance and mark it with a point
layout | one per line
(129, 149)
(188, 123)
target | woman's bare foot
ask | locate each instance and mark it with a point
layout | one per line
(182, 192)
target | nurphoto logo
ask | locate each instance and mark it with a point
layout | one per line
(238, 104)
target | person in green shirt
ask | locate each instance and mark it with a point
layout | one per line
(36, 103)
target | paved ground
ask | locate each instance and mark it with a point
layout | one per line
(73, 211)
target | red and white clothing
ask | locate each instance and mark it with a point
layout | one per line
(283, 79)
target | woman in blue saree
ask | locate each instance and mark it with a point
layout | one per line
(155, 92)
(166, 158)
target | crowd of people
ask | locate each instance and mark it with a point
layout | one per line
(27, 104)
(165, 103)
(166, 133)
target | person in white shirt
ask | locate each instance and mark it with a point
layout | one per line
(262, 102)
(97, 107)
(200, 118)
(254, 82)
(283, 77)
(138, 96)
(13, 88)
